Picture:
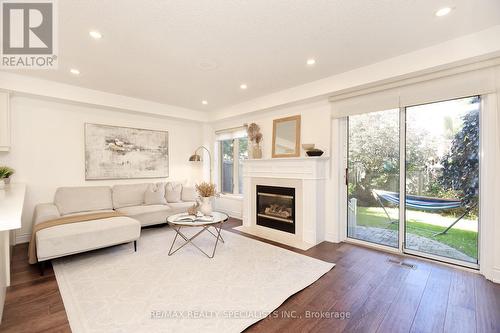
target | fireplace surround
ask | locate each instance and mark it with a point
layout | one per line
(306, 176)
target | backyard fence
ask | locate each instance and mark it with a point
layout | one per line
(352, 214)
(227, 176)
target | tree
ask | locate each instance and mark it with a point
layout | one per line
(461, 164)
(374, 155)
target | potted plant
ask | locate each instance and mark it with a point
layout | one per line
(5, 173)
(206, 192)
(255, 137)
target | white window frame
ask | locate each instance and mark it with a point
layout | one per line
(342, 142)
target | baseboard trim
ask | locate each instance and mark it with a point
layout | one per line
(22, 238)
(493, 275)
(330, 237)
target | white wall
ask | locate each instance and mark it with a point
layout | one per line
(48, 147)
(315, 124)
(489, 247)
(231, 205)
(315, 128)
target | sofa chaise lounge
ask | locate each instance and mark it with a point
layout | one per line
(139, 205)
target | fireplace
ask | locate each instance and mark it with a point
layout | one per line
(276, 207)
(305, 180)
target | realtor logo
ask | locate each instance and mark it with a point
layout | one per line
(28, 34)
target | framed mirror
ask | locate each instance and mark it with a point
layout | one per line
(286, 137)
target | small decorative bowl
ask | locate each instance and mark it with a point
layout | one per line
(308, 146)
(314, 152)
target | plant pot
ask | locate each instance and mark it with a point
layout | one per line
(256, 151)
(7, 180)
(2, 184)
(206, 206)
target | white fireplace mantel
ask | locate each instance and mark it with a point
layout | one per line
(308, 176)
(294, 168)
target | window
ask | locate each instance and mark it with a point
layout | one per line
(227, 167)
(442, 179)
(373, 169)
(242, 155)
(232, 152)
(413, 179)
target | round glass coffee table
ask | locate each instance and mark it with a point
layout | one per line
(215, 224)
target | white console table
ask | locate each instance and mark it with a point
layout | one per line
(11, 209)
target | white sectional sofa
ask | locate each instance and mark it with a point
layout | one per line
(131, 200)
(141, 204)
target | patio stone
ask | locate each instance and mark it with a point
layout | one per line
(423, 244)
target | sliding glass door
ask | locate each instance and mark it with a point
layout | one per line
(442, 180)
(373, 169)
(438, 144)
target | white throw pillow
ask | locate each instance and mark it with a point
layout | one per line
(188, 193)
(155, 194)
(173, 192)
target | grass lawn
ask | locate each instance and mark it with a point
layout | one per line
(462, 240)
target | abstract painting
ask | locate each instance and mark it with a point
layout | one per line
(113, 152)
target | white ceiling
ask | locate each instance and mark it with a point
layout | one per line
(153, 49)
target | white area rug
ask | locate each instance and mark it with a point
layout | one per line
(117, 290)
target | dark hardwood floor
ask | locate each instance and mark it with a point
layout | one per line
(377, 295)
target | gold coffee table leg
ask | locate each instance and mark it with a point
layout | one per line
(190, 239)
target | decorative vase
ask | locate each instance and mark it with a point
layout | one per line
(7, 180)
(256, 151)
(206, 206)
(2, 184)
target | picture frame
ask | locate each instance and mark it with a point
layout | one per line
(286, 137)
(118, 152)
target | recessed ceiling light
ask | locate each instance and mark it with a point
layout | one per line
(74, 71)
(310, 62)
(243, 86)
(204, 102)
(443, 11)
(95, 34)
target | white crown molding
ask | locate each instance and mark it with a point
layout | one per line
(469, 49)
(26, 85)
(461, 51)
